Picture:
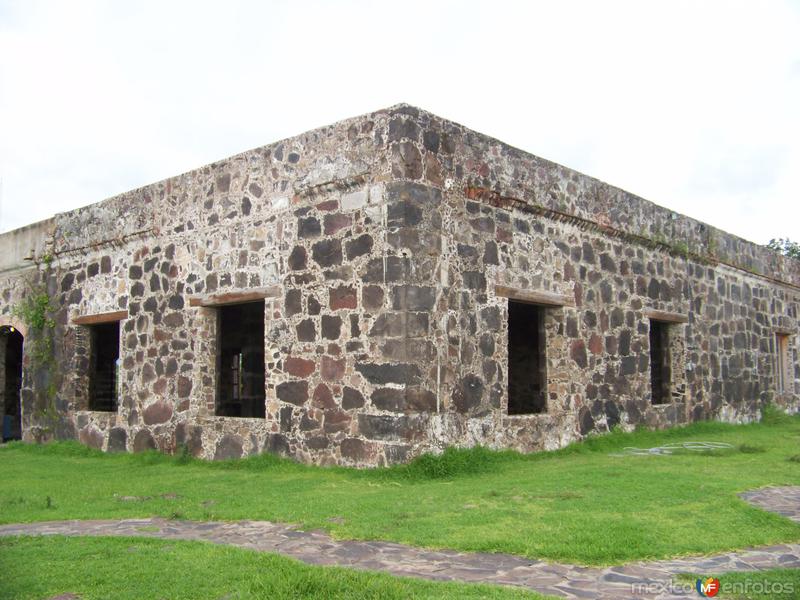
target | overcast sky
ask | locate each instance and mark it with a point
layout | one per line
(693, 105)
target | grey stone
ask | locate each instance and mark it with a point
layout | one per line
(228, 447)
(382, 374)
(327, 253)
(294, 392)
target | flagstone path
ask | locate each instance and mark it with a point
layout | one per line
(633, 580)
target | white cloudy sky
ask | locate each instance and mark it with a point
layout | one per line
(694, 105)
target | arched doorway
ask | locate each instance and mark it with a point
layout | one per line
(11, 352)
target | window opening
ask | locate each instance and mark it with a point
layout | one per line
(660, 363)
(240, 361)
(784, 374)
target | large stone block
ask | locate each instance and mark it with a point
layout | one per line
(413, 297)
(381, 374)
(294, 392)
(229, 446)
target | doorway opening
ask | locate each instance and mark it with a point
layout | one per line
(11, 341)
(104, 366)
(527, 359)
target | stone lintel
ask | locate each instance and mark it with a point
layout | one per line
(665, 316)
(784, 330)
(253, 295)
(100, 318)
(534, 296)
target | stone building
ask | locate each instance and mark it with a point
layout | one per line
(387, 285)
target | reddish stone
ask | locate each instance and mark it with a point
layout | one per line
(433, 170)
(91, 437)
(578, 353)
(332, 369)
(336, 420)
(299, 367)
(323, 397)
(504, 235)
(343, 297)
(357, 450)
(328, 205)
(160, 386)
(143, 441)
(335, 222)
(158, 412)
(578, 291)
(184, 387)
(596, 344)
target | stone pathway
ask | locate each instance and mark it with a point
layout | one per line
(782, 500)
(633, 580)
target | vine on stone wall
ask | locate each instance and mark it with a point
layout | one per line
(36, 311)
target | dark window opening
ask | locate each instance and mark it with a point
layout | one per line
(527, 359)
(104, 366)
(12, 413)
(660, 363)
(240, 361)
(784, 362)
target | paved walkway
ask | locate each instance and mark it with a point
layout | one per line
(633, 580)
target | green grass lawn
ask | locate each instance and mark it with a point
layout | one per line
(142, 569)
(580, 504)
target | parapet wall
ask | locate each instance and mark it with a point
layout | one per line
(19, 247)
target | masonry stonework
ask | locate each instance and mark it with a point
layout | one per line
(386, 249)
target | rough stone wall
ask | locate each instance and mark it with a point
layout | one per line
(380, 246)
(598, 344)
(516, 221)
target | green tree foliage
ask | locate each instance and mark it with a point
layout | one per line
(785, 246)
